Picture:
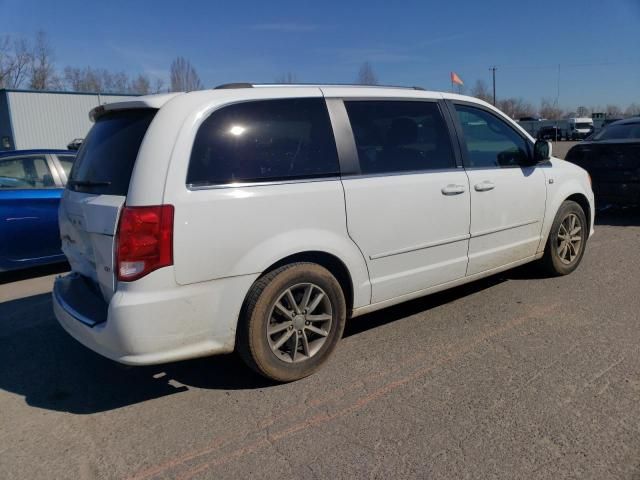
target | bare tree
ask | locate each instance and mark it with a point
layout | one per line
(72, 78)
(516, 107)
(366, 75)
(25, 63)
(42, 71)
(84, 80)
(22, 58)
(119, 83)
(288, 77)
(613, 111)
(550, 110)
(100, 80)
(140, 85)
(92, 80)
(583, 111)
(158, 85)
(596, 109)
(632, 110)
(184, 77)
(481, 90)
(15, 59)
(5, 60)
(524, 109)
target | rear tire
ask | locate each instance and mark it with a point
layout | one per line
(291, 321)
(567, 240)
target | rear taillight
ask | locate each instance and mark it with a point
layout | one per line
(144, 241)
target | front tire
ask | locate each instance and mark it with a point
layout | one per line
(291, 321)
(567, 240)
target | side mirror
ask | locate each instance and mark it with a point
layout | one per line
(541, 151)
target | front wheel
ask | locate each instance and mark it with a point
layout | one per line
(291, 321)
(567, 240)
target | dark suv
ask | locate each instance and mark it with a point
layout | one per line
(551, 133)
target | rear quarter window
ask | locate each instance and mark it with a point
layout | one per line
(107, 156)
(264, 140)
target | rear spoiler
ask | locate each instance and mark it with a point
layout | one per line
(146, 101)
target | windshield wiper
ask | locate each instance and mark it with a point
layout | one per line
(88, 183)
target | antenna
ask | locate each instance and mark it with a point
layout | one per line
(493, 71)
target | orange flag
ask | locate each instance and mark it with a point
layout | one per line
(456, 79)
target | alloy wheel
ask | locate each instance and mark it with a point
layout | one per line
(299, 322)
(569, 239)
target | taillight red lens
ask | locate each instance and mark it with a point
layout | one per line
(144, 241)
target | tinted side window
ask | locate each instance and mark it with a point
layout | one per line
(25, 172)
(490, 142)
(619, 132)
(264, 140)
(400, 136)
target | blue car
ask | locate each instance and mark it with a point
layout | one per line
(31, 184)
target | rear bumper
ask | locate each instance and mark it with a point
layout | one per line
(146, 324)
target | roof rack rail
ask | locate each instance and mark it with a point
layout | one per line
(225, 86)
(355, 85)
(251, 85)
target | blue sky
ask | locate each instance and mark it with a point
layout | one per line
(596, 42)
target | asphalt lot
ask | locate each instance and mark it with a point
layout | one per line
(514, 376)
(560, 149)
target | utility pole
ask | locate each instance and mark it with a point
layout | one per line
(493, 71)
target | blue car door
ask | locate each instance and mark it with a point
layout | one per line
(29, 199)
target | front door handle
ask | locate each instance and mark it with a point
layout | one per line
(453, 189)
(484, 186)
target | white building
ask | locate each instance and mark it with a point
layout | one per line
(41, 119)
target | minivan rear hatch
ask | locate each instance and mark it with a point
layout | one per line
(97, 190)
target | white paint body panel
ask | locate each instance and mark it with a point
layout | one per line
(154, 320)
(506, 221)
(223, 232)
(398, 236)
(87, 228)
(565, 179)
(411, 234)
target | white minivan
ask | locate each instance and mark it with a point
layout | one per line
(261, 218)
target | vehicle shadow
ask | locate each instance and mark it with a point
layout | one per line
(391, 314)
(51, 370)
(33, 272)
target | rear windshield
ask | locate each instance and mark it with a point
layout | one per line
(107, 156)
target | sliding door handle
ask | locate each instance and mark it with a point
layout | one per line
(484, 186)
(453, 189)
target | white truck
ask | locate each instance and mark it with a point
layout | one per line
(572, 128)
(579, 127)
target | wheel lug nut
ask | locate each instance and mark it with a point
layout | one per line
(307, 323)
(299, 332)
